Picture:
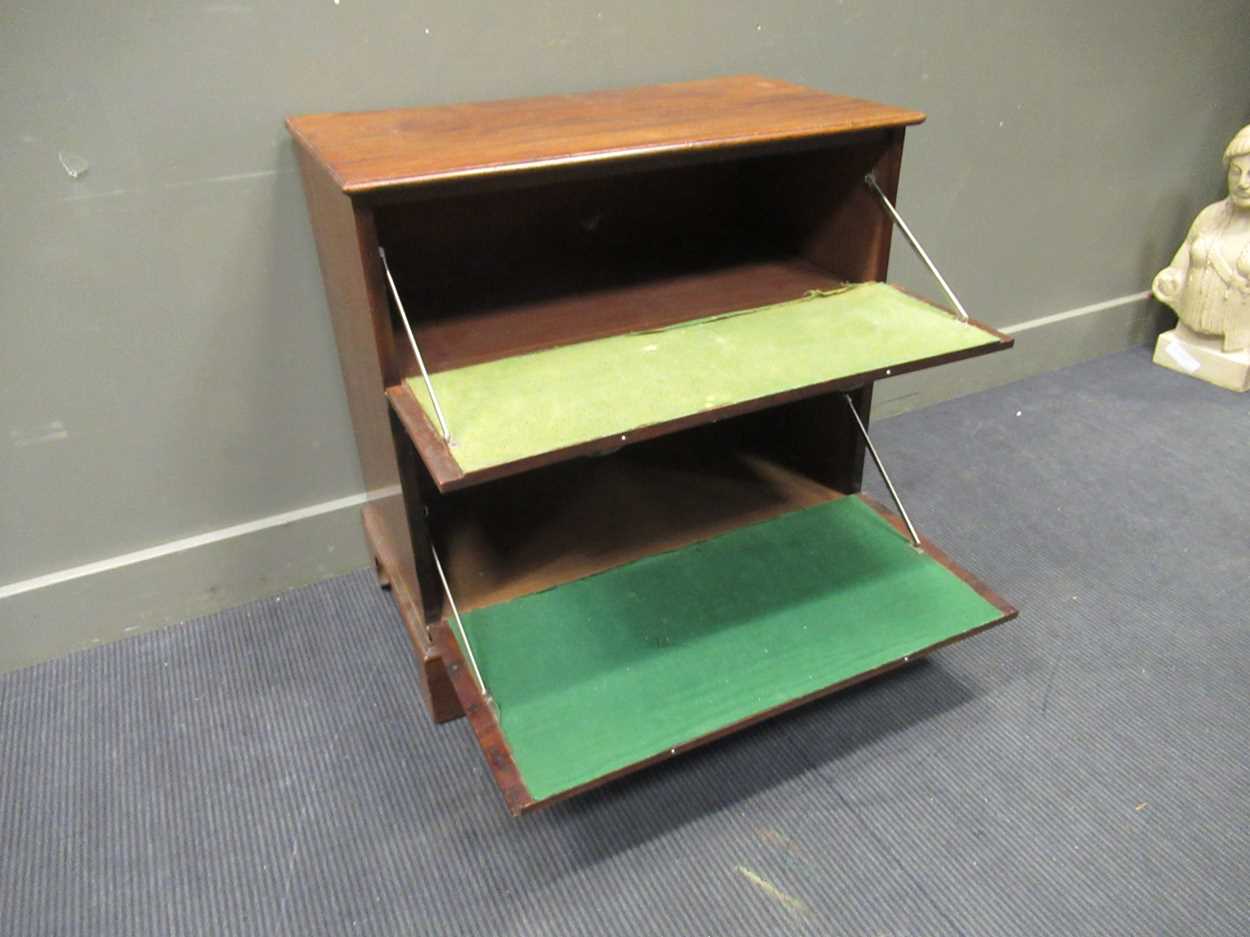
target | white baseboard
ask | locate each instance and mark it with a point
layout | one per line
(1117, 303)
(46, 616)
(190, 543)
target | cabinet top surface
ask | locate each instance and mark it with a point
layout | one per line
(379, 150)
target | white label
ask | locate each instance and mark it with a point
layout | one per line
(1182, 357)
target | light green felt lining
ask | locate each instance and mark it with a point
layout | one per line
(601, 673)
(506, 410)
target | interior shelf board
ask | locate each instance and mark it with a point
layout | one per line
(522, 412)
(713, 637)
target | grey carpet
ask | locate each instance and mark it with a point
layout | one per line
(1083, 770)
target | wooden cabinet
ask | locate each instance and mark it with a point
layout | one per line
(645, 317)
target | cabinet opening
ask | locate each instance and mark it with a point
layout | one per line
(529, 532)
(622, 247)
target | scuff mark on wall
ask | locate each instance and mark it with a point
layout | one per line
(183, 184)
(229, 177)
(87, 196)
(73, 164)
(37, 436)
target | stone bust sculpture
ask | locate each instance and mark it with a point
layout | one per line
(1208, 281)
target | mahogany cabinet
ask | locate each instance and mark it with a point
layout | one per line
(645, 317)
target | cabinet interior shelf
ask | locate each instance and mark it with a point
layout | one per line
(523, 411)
(537, 530)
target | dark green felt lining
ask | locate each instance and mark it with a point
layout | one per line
(599, 674)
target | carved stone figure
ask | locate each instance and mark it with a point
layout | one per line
(1208, 284)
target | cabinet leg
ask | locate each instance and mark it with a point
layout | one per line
(379, 571)
(436, 689)
(440, 695)
(435, 686)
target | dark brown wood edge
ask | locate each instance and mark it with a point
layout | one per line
(744, 145)
(887, 172)
(306, 147)
(499, 757)
(729, 147)
(485, 725)
(429, 442)
(388, 577)
(1006, 340)
(549, 173)
(931, 549)
(448, 475)
(440, 697)
(1003, 337)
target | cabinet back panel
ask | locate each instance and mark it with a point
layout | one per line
(529, 532)
(497, 273)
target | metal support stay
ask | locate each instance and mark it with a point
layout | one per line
(464, 637)
(863, 430)
(399, 303)
(871, 181)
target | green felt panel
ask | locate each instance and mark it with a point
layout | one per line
(506, 410)
(609, 670)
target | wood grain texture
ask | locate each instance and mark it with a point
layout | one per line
(541, 529)
(515, 226)
(532, 530)
(618, 304)
(433, 683)
(378, 150)
(824, 212)
(486, 275)
(435, 454)
(817, 437)
(428, 594)
(484, 723)
(347, 251)
(517, 796)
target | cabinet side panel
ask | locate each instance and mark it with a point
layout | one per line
(816, 206)
(836, 223)
(816, 437)
(343, 237)
(852, 237)
(347, 250)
